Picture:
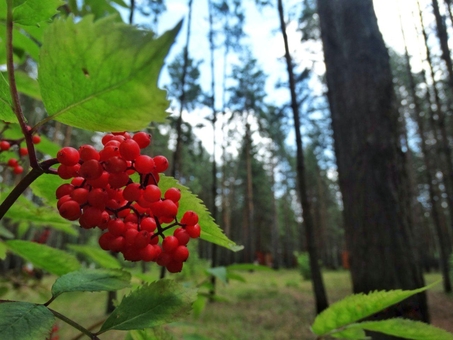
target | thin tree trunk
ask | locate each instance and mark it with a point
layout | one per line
(318, 284)
(370, 162)
(275, 237)
(430, 170)
(444, 151)
(176, 168)
(443, 40)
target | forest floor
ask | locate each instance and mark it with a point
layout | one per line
(270, 305)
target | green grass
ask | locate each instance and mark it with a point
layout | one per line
(271, 305)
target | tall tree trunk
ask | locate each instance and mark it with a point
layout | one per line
(214, 120)
(176, 168)
(370, 162)
(275, 235)
(430, 170)
(249, 206)
(444, 150)
(443, 40)
(318, 284)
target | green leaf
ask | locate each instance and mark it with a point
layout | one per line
(351, 333)
(45, 186)
(235, 276)
(54, 261)
(3, 249)
(40, 216)
(24, 321)
(103, 75)
(32, 12)
(210, 231)
(155, 333)
(359, 306)
(218, 272)
(6, 111)
(27, 85)
(91, 280)
(97, 255)
(407, 329)
(199, 305)
(151, 305)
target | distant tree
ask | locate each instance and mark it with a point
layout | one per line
(370, 162)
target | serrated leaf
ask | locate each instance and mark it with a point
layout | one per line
(151, 305)
(218, 272)
(407, 329)
(97, 255)
(91, 280)
(6, 111)
(351, 333)
(103, 75)
(358, 306)
(53, 260)
(210, 231)
(32, 12)
(25, 321)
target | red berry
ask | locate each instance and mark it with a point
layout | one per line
(88, 152)
(193, 230)
(115, 165)
(152, 193)
(23, 152)
(148, 253)
(64, 189)
(173, 194)
(169, 244)
(18, 169)
(36, 139)
(168, 208)
(144, 164)
(142, 239)
(68, 156)
(163, 259)
(105, 240)
(91, 169)
(174, 266)
(129, 149)
(143, 139)
(12, 162)
(4, 145)
(148, 224)
(80, 195)
(108, 137)
(132, 192)
(182, 235)
(189, 218)
(70, 210)
(118, 180)
(161, 163)
(97, 197)
(116, 227)
(181, 254)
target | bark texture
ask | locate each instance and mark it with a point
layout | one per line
(370, 162)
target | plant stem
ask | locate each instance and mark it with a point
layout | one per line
(17, 109)
(74, 324)
(43, 167)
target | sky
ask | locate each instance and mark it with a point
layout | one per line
(266, 44)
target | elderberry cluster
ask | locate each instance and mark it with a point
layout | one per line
(133, 215)
(16, 144)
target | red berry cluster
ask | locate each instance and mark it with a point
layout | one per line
(22, 151)
(133, 215)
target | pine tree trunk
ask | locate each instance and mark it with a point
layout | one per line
(318, 284)
(370, 162)
(430, 170)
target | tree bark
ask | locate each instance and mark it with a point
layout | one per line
(430, 171)
(317, 281)
(370, 162)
